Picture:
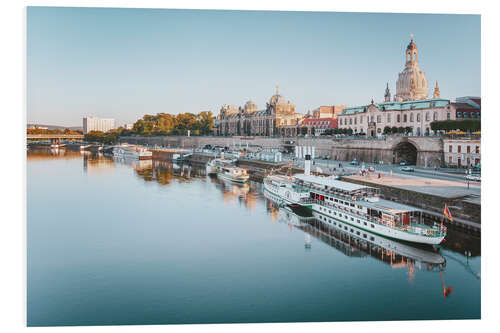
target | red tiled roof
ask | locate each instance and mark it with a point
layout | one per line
(334, 123)
(476, 100)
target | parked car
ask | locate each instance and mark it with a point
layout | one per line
(371, 169)
(354, 162)
(474, 178)
(403, 163)
(407, 169)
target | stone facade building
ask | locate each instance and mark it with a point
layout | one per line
(462, 152)
(278, 118)
(418, 115)
(411, 106)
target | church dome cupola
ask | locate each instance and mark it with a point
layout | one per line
(411, 53)
(250, 107)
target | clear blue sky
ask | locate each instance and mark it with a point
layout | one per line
(124, 63)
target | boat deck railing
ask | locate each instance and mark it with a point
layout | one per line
(418, 230)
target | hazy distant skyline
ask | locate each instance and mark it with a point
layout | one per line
(124, 63)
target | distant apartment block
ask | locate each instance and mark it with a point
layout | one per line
(128, 126)
(97, 124)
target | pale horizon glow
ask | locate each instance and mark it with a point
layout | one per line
(124, 63)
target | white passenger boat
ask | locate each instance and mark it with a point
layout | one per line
(226, 170)
(354, 204)
(331, 231)
(132, 152)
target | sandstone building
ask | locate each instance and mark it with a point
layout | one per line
(277, 119)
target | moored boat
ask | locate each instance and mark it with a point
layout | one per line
(226, 170)
(133, 152)
(354, 204)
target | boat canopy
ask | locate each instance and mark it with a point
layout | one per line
(390, 206)
(330, 182)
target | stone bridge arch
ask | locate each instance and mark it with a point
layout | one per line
(405, 150)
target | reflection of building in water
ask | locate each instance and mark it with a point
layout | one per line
(163, 172)
(35, 154)
(96, 162)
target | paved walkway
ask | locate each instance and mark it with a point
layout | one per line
(439, 187)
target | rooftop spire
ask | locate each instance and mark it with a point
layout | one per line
(387, 95)
(437, 93)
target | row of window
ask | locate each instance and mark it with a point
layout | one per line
(467, 162)
(405, 118)
(345, 203)
(468, 115)
(459, 149)
(345, 217)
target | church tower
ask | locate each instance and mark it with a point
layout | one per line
(437, 93)
(387, 96)
(411, 83)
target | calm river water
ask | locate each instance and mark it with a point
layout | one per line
(114, 243)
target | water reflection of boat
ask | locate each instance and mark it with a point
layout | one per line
(134, 163)
(369, 241)
(357, 242)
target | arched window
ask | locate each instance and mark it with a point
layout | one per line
(435, 116)
(379, 119)
(350, 121)
(399, 118)
(405, 118)
(427, 116)
(418, 117)
(411, 117)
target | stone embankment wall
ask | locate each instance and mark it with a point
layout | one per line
(429, 149)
